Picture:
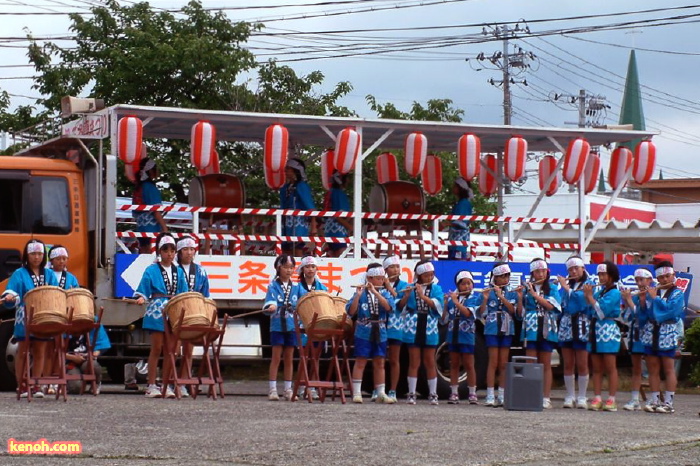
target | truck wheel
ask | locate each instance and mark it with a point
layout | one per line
(8, 350)
(442, 364)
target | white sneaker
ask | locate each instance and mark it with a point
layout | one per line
(288, 393)
(581, 403)
(183, 391)
(386, 399)
(490, 401)
(546, 403)
(392, 395)
(273, 396)
(499, 402)
(357, 399)
(411, 398)
(433, 399)
(38, 393)
(23, 395)
(632, 405)
(314, 394)
(650, 407)
(169, 392)
(153, 392)
(569, 403)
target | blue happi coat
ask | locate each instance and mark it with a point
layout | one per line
(661, 331)
(340, 202)
(606, 335)
(201, 279)
(636, 319)
(457, 322)
(494, 309)
(575, 318)
(296, 196)
(70, 280)
(282, 318)
(152, 283)
(395, 325)
(535, 313)
(17, 286)
(363, 317)
(432, 336)
(459, 229)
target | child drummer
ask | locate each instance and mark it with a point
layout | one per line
(370, 308)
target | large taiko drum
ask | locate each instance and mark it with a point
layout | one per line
(339, 304)
(49, 309)
(321, 303)
(196, 313)
(216, 191)
(83, 303)
(397, 197)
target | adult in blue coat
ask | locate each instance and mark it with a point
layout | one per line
(459, 229)
(296, 195)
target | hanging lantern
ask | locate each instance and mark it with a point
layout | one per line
(432, 175)
(347, 148)
(130, 138)
(591, 172)
(416, 151)
(213, 168)
(387, 168)
(515, 157)
(469, 156)
(327, 168)
(202, 144)
(487, 182)
(575, 160)
(547, 166)
(131, 170)
(620, 163)
(644, 162)
(274, 180)
(276, 145)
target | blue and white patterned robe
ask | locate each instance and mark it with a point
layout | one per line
(275, 295)
(456, 321)
(296, 196)
(575, 311)
(152, 283)
(201, 279)
(19, 284)
(636, 319)
(605, 312)
(432, 336)
(494, 306)
(666, 312)
(363, 325)
(533, 312)
(395, 325)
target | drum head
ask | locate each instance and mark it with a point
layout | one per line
(195, 197)
(377, 199)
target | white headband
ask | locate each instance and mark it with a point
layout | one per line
(166, 240)
(307, 260)
(642, 273)
(663, 271)
(464, 184)
(375, 272)
(391, 260)
(500, 270)
(538, 265)
(602, 268)
(148, 166)
(58, 252)
(425, 268)
(186, 243)
(35, 247)
(462, 275)
(295, 164)
(574, 262)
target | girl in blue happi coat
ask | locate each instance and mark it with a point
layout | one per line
(160, 282)
(280, 304)
(31, 274)
(197, 281)
(499, 305)
(459, 314)
(394, 326)
(661, 335)
(604, 341)
(573, 332)
(338, 201)
(540, 330)
(423, 304)
(459, 229)
(635, 315)
(296, 194)
(370, 308)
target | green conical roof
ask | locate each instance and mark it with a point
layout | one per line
(632, 111)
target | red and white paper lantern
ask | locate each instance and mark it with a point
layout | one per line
(644, 162)
(591, 172)
(515, 158)
(620, 163)
(432, 175)
(347, 148)
(575, 160)
(487, 182)
(274, 180)
(469, 156)
(276, 147)
(213, 168)
(387, 168)
(327, 168)
(416, 151)
(202, 144)
(547, 166)
(129, 138)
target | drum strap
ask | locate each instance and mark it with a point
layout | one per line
(171, 288)
(541, 314)
(308, 287)
(191, 275)
(62, 281)
(591, 334)
(456, 319)
(375, 336)
(287, 289)
(37, 280)
(422, 324)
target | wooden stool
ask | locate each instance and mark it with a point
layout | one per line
(89, 376)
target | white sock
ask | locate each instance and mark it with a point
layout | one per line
(455, 389)
(472, 390)
(501, 393)
(380, 389)
(570, 384)
(287, 385)
(668, 396)
(412, 382)
(273, 385)
(489, 391)
(655, 397)
(582, 386)
(432, 386)
(635, 395)
(357, 387)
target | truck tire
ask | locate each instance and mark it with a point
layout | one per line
(7, 375)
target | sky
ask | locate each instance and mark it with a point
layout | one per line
(436, 38)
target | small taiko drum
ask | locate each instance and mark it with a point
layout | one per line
(339, 304)
(320, 303)
(49, 309)
(217, 190)
(397, 197)
(83, 303)
(196, 312)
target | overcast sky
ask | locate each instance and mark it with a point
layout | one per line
(668, 56)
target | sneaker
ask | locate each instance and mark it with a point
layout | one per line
(473, 399)
(632, 405)
(386, 399)
(183, 391)
(357, 399)
(433, 399)
(490, 400)
(131, 386)
(288, 393)
(24, 394)
(499, 402)
(392, 395)
(374, 395)
(610, 405)
(665, 408)
(169, 392)
(596, 404)
(568, 403)
(314, 394)
(453, 399)
(51, 389)
(37, 393)
(273, 396)
(98, 387)
(411, 398)
(582, 403)
(153, 392)
(546, 403)
(650, 407)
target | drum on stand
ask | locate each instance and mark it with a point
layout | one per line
(83, 303)
(339, 303)
(49, 308)
(321, 303)
(196, 313)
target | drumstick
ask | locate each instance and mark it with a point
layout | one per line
(260, 311)
(340, 290)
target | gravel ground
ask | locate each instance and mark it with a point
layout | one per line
(120, 427)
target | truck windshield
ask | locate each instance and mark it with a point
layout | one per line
(48, 206)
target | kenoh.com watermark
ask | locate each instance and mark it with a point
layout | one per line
(43, 447)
